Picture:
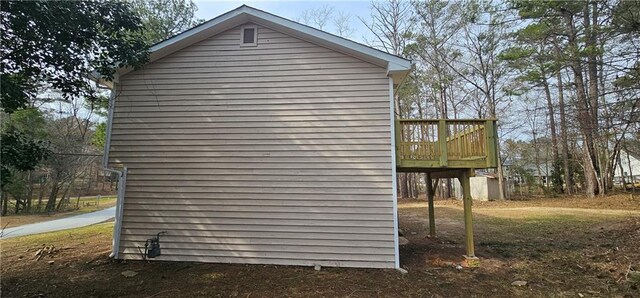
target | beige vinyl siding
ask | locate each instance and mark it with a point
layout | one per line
(273, 154)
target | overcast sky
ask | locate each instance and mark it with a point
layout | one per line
(208, 9)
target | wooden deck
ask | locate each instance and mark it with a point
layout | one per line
(447, 149)
(441, 145)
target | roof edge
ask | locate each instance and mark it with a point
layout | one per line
(244, 13)
(197, 29)
(398, 62)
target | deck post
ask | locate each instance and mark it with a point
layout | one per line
(490, 143)
(432, 212)
(442, 141)
(468, 216)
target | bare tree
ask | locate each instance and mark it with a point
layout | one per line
(390, 23)
(484, 38)
(70, 134)
(326, 15)
(342, 22)
(568, 174)
(438, 25)
(317, 17)
(304, 17)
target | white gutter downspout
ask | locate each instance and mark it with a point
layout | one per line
(394, 174)
(122, 178)
(396, 243)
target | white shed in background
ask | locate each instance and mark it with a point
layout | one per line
(483, 188)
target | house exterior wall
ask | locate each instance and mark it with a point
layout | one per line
(273, 154)
(630, 164)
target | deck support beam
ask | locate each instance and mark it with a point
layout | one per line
(432, 212)
(468, 216)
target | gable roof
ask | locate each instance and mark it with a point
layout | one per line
(397, 67)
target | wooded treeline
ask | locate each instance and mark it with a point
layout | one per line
(53, 124)
(562, 77)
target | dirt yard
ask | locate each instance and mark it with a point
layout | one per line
(559, 251)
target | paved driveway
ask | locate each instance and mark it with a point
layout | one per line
(61, 224)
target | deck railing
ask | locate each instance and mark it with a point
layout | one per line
(446, 143)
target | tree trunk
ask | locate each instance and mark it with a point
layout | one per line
(592, 62)
(41, 194)
(536, 156)
(416, 184)
(609, 169)
(568, 175)
(104, 180)
(584, 116)
(29, 198)
(90, 182)
(78, 202)
(402, 182)
(591, 26)
(619, 159)
(591, 182)
(64, 196)
(409, 194)
(632, 178)
(51, 203)
(412, 180)
(554, 136)
(410, 185)
(5, 202)
(552, 121)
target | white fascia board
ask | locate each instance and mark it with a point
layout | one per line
(402, 67)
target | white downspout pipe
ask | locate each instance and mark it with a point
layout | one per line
(122, 178)
(394, 181)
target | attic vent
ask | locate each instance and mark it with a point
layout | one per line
(249, 36)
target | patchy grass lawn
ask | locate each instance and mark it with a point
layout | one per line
(620, 201)
(559, 253)
(86, 205)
